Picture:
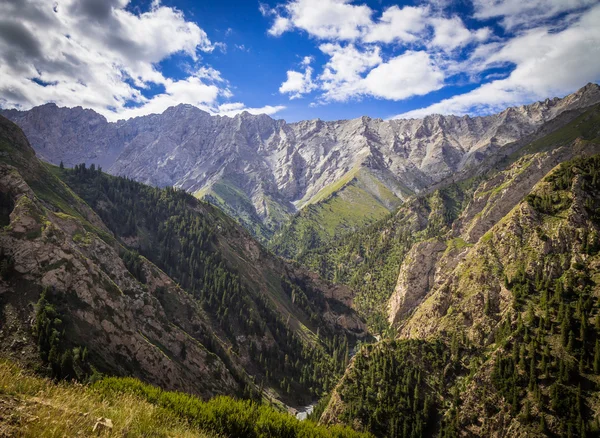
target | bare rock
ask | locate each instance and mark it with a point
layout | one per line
(102, 424)
(274, 167)
(416, 278)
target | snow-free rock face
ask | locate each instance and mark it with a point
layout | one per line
(260, 169)
(415, 279)
(117, 318)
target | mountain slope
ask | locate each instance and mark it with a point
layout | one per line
(207, 311)
(456, 214)
(510, 289)
(353, 202)
(264, 170)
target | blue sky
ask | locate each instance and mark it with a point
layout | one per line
(258, 69)
(296, 59)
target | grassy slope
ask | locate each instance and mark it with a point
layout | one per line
(351, 203)
(31, 406)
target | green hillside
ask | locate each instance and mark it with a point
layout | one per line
(356, 200)
(527, 362)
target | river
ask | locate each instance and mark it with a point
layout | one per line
(303, 413)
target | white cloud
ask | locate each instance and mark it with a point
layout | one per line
(410, 74)
(353, 73)
(526, 13)
(191, 91)
(546, 63)
(340, 20)
(549, 53)
(405, 25)
(100, 55)
(280, 25)
(233, 109)
(342, 76)
(357, 65)
(324, 19)
(451, 33)
(297, 83)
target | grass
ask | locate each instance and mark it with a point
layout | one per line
(350, 209)
(457, 243)
(330, 190)
(344, 207)
(31, 406)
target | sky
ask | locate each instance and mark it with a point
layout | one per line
(296, 59)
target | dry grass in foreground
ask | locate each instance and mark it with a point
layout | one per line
(36, 407)
(32, 406)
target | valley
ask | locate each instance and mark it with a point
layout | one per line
(423, 277)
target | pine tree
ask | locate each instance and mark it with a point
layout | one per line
(597, 357)
(532, 374)
(565, 326)
(571, 343)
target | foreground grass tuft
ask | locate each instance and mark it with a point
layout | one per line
(32, 406)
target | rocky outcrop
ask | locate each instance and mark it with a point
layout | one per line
(461, 294)
(416, 278)
(497, 196)
(263, 169)
(120, 321)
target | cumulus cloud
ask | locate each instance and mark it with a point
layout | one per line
(235, 108)
(398, 24)
(548, 47)
(342, 76)
(410, 74)
(100, 55)
(357, 66)
(299, 83)
(451, 33)
(546, 63)
(325, 19)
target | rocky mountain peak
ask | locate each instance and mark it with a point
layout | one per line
(250, 161)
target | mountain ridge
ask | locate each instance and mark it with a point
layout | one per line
(261, 170)
(495, 315)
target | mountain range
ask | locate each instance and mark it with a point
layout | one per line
(263, 171)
